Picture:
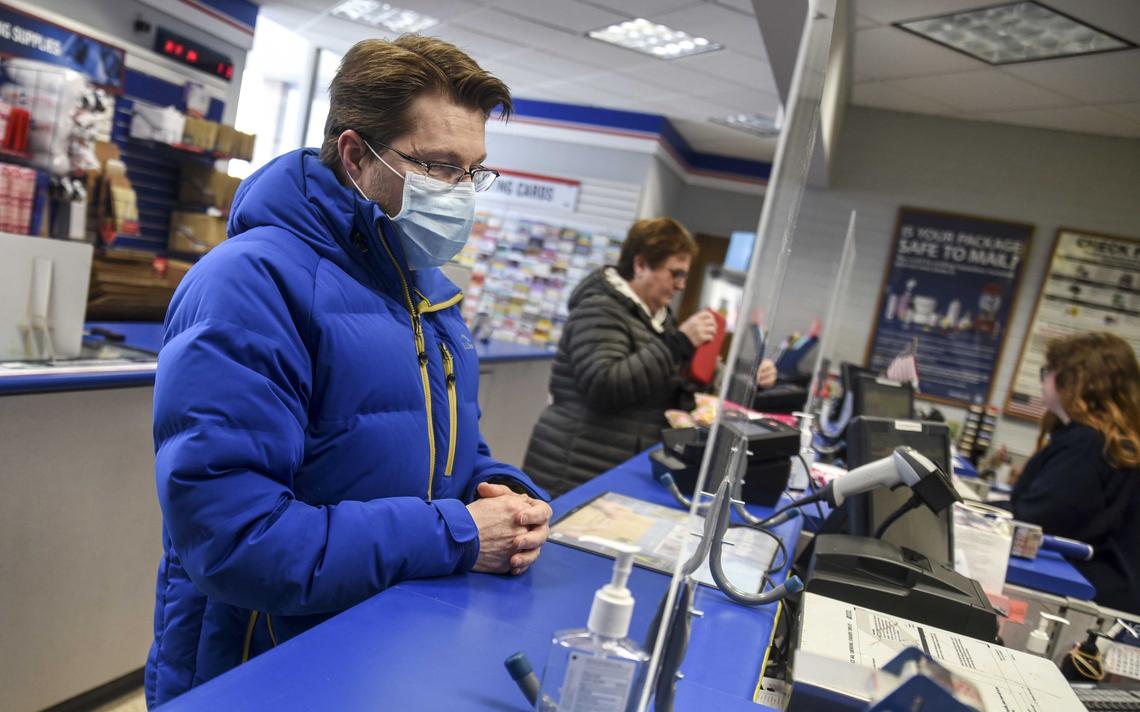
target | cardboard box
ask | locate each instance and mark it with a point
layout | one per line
(200, 134)
(201, 185)
(195, 233)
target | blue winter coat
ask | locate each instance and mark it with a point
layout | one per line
(315, 425)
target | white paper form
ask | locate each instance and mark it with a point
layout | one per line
(1009, 680)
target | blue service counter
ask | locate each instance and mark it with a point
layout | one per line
(440, 643)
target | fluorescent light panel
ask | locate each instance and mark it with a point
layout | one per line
(1014, 32)
(654, 39)
(752, 123)
(383, 15)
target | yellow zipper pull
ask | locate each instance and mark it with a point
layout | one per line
(452, 408)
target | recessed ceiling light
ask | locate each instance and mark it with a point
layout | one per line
(755, 124)
(1014, 32)
(653, 39)
(381, 14)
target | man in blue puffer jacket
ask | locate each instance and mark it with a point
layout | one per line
(315, 415)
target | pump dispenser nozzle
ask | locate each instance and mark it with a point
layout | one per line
(613, 603)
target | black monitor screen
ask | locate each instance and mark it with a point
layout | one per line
(869, 439)
(881, 398)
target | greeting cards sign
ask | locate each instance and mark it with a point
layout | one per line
(949, 288)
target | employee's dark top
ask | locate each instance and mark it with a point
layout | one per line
(1071, 490)
(614, 376)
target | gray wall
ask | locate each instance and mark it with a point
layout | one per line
(564, 159)
(888, 159)
(718, 212)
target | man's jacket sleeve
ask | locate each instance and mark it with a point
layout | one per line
(230, 413)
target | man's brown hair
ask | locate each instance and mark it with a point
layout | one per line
(378, 79)
(654, 240)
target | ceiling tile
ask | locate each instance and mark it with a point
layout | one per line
(881, 95)
(508, 26)
(587, 94)
(688, 108)
(643, 8)
(1111, 77)
(1081, 119)
(515, 75)
(742, 6)
(592, 52)
(719, 24)
(862, 23)
(623, 86)
(478, 45)
(982, 90)
(570, 15)
(885, 12)
(747, 101)
(732, 66)
(672, 77)
(1130, 110)
(1119, 17)
(891, 53)
(552, 66)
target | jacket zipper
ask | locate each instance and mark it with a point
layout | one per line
(449, 374)
(421, 354)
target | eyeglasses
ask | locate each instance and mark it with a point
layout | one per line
(679, 274)
(1045, 371)
(481, 178)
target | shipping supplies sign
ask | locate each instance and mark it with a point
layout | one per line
(949, 289)
(1092, 284)
(29, 37)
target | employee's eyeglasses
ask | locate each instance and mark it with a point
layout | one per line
(1045, 371)
(481, 178)
(679, 274)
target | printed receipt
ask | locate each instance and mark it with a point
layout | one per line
(1009, 680)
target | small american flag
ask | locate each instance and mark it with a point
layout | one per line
(904, 368)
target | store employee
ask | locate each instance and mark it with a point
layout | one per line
(315, 416)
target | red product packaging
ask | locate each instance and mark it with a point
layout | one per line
(702, 369)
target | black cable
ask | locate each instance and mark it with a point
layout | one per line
(780, 547)
(802, 502)
(811, 486)
(913, 503)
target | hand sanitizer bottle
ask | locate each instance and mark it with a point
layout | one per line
(594, 669)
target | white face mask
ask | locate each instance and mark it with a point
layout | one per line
(435, 220)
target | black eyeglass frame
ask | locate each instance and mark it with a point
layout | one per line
(428, 165)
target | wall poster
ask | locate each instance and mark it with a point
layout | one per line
(1092, 284)
(949, 290)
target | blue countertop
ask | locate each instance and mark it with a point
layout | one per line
(148, 337)
(440, 643)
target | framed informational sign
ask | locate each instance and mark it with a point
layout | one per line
(949, 290)
(1092, 284)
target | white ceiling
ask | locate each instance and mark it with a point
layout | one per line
(1097, 94)
(546, 55)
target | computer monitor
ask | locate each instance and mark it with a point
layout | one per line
(921, 530)
(882, 398)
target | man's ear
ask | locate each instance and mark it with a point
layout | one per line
(639, 264)
(350, 148)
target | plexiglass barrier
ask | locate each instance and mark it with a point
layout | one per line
(720, 551)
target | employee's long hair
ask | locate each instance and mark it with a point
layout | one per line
(1098, 383)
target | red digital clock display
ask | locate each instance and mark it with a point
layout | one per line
(193, 54)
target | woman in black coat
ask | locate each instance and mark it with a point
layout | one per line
(1084, 481)
(619, 362)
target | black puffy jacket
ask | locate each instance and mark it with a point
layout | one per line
(613, 377)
